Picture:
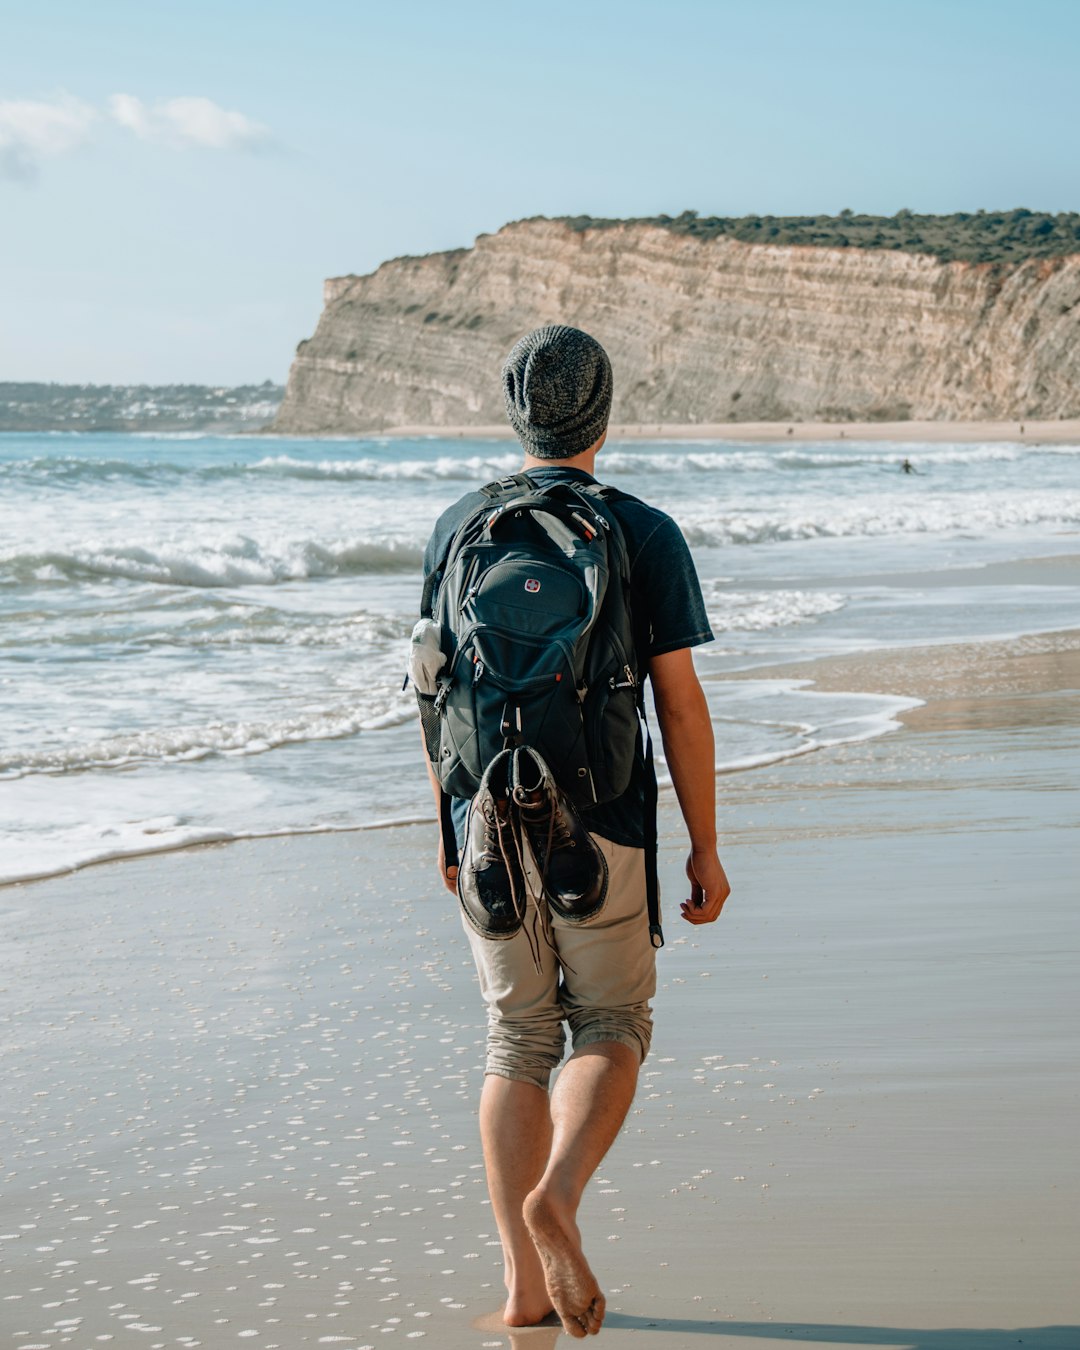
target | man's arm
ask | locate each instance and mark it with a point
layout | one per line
(448, 874)
(686, 729)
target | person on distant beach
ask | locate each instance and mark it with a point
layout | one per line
(541, 1147)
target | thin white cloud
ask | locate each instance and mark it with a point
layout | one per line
(33, 130)
(130, 112)
(188, 121)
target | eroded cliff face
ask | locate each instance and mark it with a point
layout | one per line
(697, 331)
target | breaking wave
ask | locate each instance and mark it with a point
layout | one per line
(945, 514)
(756, 611)
(180, 744)
(239, 561)
(63, 471)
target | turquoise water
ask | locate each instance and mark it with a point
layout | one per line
(205, 637)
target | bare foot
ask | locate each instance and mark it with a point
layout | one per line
(527, 1308)
(527, 1298)
(571, 1284)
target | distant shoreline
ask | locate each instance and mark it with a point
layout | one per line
(34, 408)
(1023, 433)
(1063, 432)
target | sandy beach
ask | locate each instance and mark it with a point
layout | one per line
(260, 261)
(963, 686)
(240, 1080)
(1063, 432)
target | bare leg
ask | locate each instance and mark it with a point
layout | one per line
(515, 1126)
(588, 1106)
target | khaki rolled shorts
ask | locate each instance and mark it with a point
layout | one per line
(599, 979)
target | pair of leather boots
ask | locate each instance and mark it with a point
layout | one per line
(519, 811)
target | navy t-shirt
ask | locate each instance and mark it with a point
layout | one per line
(666, 605)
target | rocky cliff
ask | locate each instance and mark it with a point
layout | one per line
(699, 330)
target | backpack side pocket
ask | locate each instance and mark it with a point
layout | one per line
(431, 724)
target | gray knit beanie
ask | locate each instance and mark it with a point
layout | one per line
(557, 382)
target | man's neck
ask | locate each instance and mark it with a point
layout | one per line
(583, 462)
(586, 461)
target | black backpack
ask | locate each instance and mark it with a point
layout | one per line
(531, 608)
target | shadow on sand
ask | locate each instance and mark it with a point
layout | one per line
(900, 1338)
(544, 1337)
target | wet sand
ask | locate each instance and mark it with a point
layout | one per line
(1030, 680)
(239, 1094)
(912, 433)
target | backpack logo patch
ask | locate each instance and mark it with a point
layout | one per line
(532, 585)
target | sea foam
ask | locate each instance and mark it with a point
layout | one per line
(236, 561)
(395, 463)
(178, 744)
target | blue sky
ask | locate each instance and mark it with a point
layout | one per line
(177, 179)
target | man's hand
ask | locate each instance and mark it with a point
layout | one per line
(448, 874)
(709, 887)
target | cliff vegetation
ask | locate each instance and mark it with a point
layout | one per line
(978, 237)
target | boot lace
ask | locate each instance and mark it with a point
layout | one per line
(497, 826)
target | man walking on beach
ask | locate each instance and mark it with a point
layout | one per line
(541, 1148)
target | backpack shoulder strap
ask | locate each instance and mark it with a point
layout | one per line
(508, 487)
(448, 832)
(607, 492)
(652, 861)
(427, 596)
(599, 496)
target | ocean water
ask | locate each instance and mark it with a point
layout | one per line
(205, 638)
